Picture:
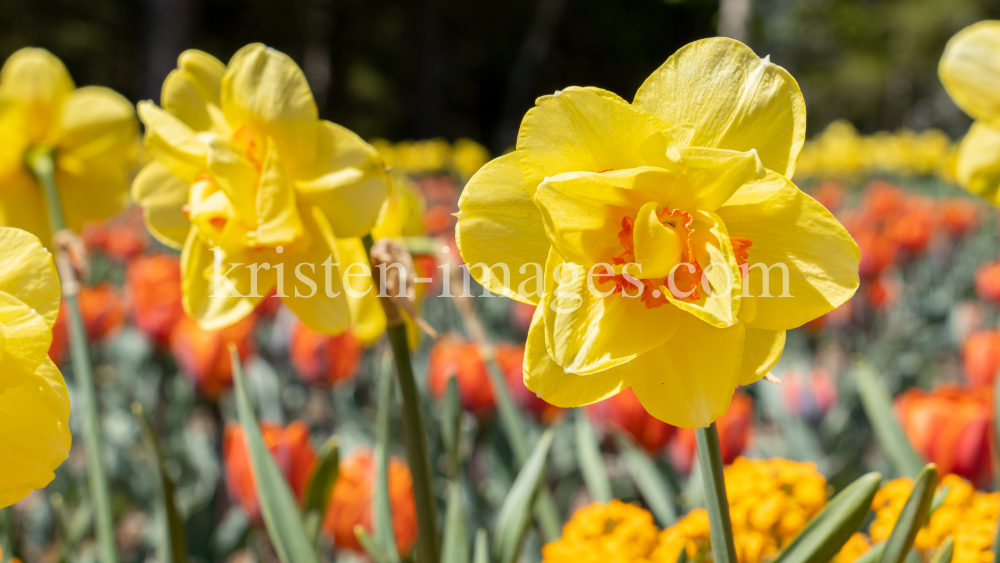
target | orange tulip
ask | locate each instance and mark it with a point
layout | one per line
(830, 194)
(351, 502)
(121, 238)
(735, 430)
(809, 397)
(203, 355)
(981, 357)
(510, 360)
(321, 358)
(624, 412)
(153, 289)
(103, 316)
(452, 355)
(951, 426)
(988, 281)
(960, 215)
(291, 450)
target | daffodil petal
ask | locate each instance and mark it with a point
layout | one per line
(320, 310)
(265, 90)
(37, 82)
(191, 87)
(970, 70)
(978, 165)
(162, 196)
(581, 129)
(28, 271)
(553, 384)
(586, 332)
(23, 207)
(788, 227)
(367, 316)
(498, 224)
(690, 380)
(34, 432)
(658, 247)
(352, 185)
(25, 338)
(720, 286)
(734, 99)
(278, 220)
(172, 142)
(208, 296)
(236, 176)
(761, 351)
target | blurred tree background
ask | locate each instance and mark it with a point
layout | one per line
(423, 68)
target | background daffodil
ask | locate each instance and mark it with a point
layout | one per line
(34, 404)
(92, 132)
(242, 163)
(695, 171)
(970, 72)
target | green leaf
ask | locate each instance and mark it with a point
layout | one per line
(515, 513)
(277, 503)
(648, 479)
(482, 553)
(381, 503)
(320, 485)
(546, 512)
(877, 402)
(588, 456)
(370, 546)
(172, 545)
(873, 554)
(943, 554)
(451, 417)
(720, 527)
(829, 530)
(939, 498)
(456, 532)
(913, 516)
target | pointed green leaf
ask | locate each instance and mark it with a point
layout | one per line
(370, 546)
(172, 545)
(829, 530)
(873, 554)
(588, 456)
(381, 504)
(515, 513)
(321, 485)
(939, 498)
(943, 554)
(648, 479)
(913, 516)
(877, 402)
(277, 502)
(482, 554)
(451, 417)
(456, 532)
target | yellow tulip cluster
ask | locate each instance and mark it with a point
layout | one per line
(841, 152)
(464, 156)
(967, 515)
(770, 501)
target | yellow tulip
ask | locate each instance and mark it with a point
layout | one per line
(970, 72)
(245, 172)
(34, 404)
(691, 178)
(91, 131)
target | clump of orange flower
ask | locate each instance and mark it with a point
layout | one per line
(624, 412)
(951, 427)
(121, 238)
(153, 293)
(770, 501)
(988, 281)
(452, 355)
(203, 355)
(351, 502)
(318, 357)
(981, 357)
(967, 515)
(103, 316)
(735, 430)
(291, 450)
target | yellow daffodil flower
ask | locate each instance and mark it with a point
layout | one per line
(91, 131)
(34, 404)
(245, 173)
(970, 72)
(691, 179)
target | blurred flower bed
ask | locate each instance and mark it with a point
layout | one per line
(925, 317)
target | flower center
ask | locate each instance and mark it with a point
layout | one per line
(244, 139)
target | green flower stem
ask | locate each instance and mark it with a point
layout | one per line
(41, 164)
(720, 527)
(414, 437)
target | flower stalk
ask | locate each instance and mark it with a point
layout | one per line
(414, 436)
(41, 164)
(720, 527)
